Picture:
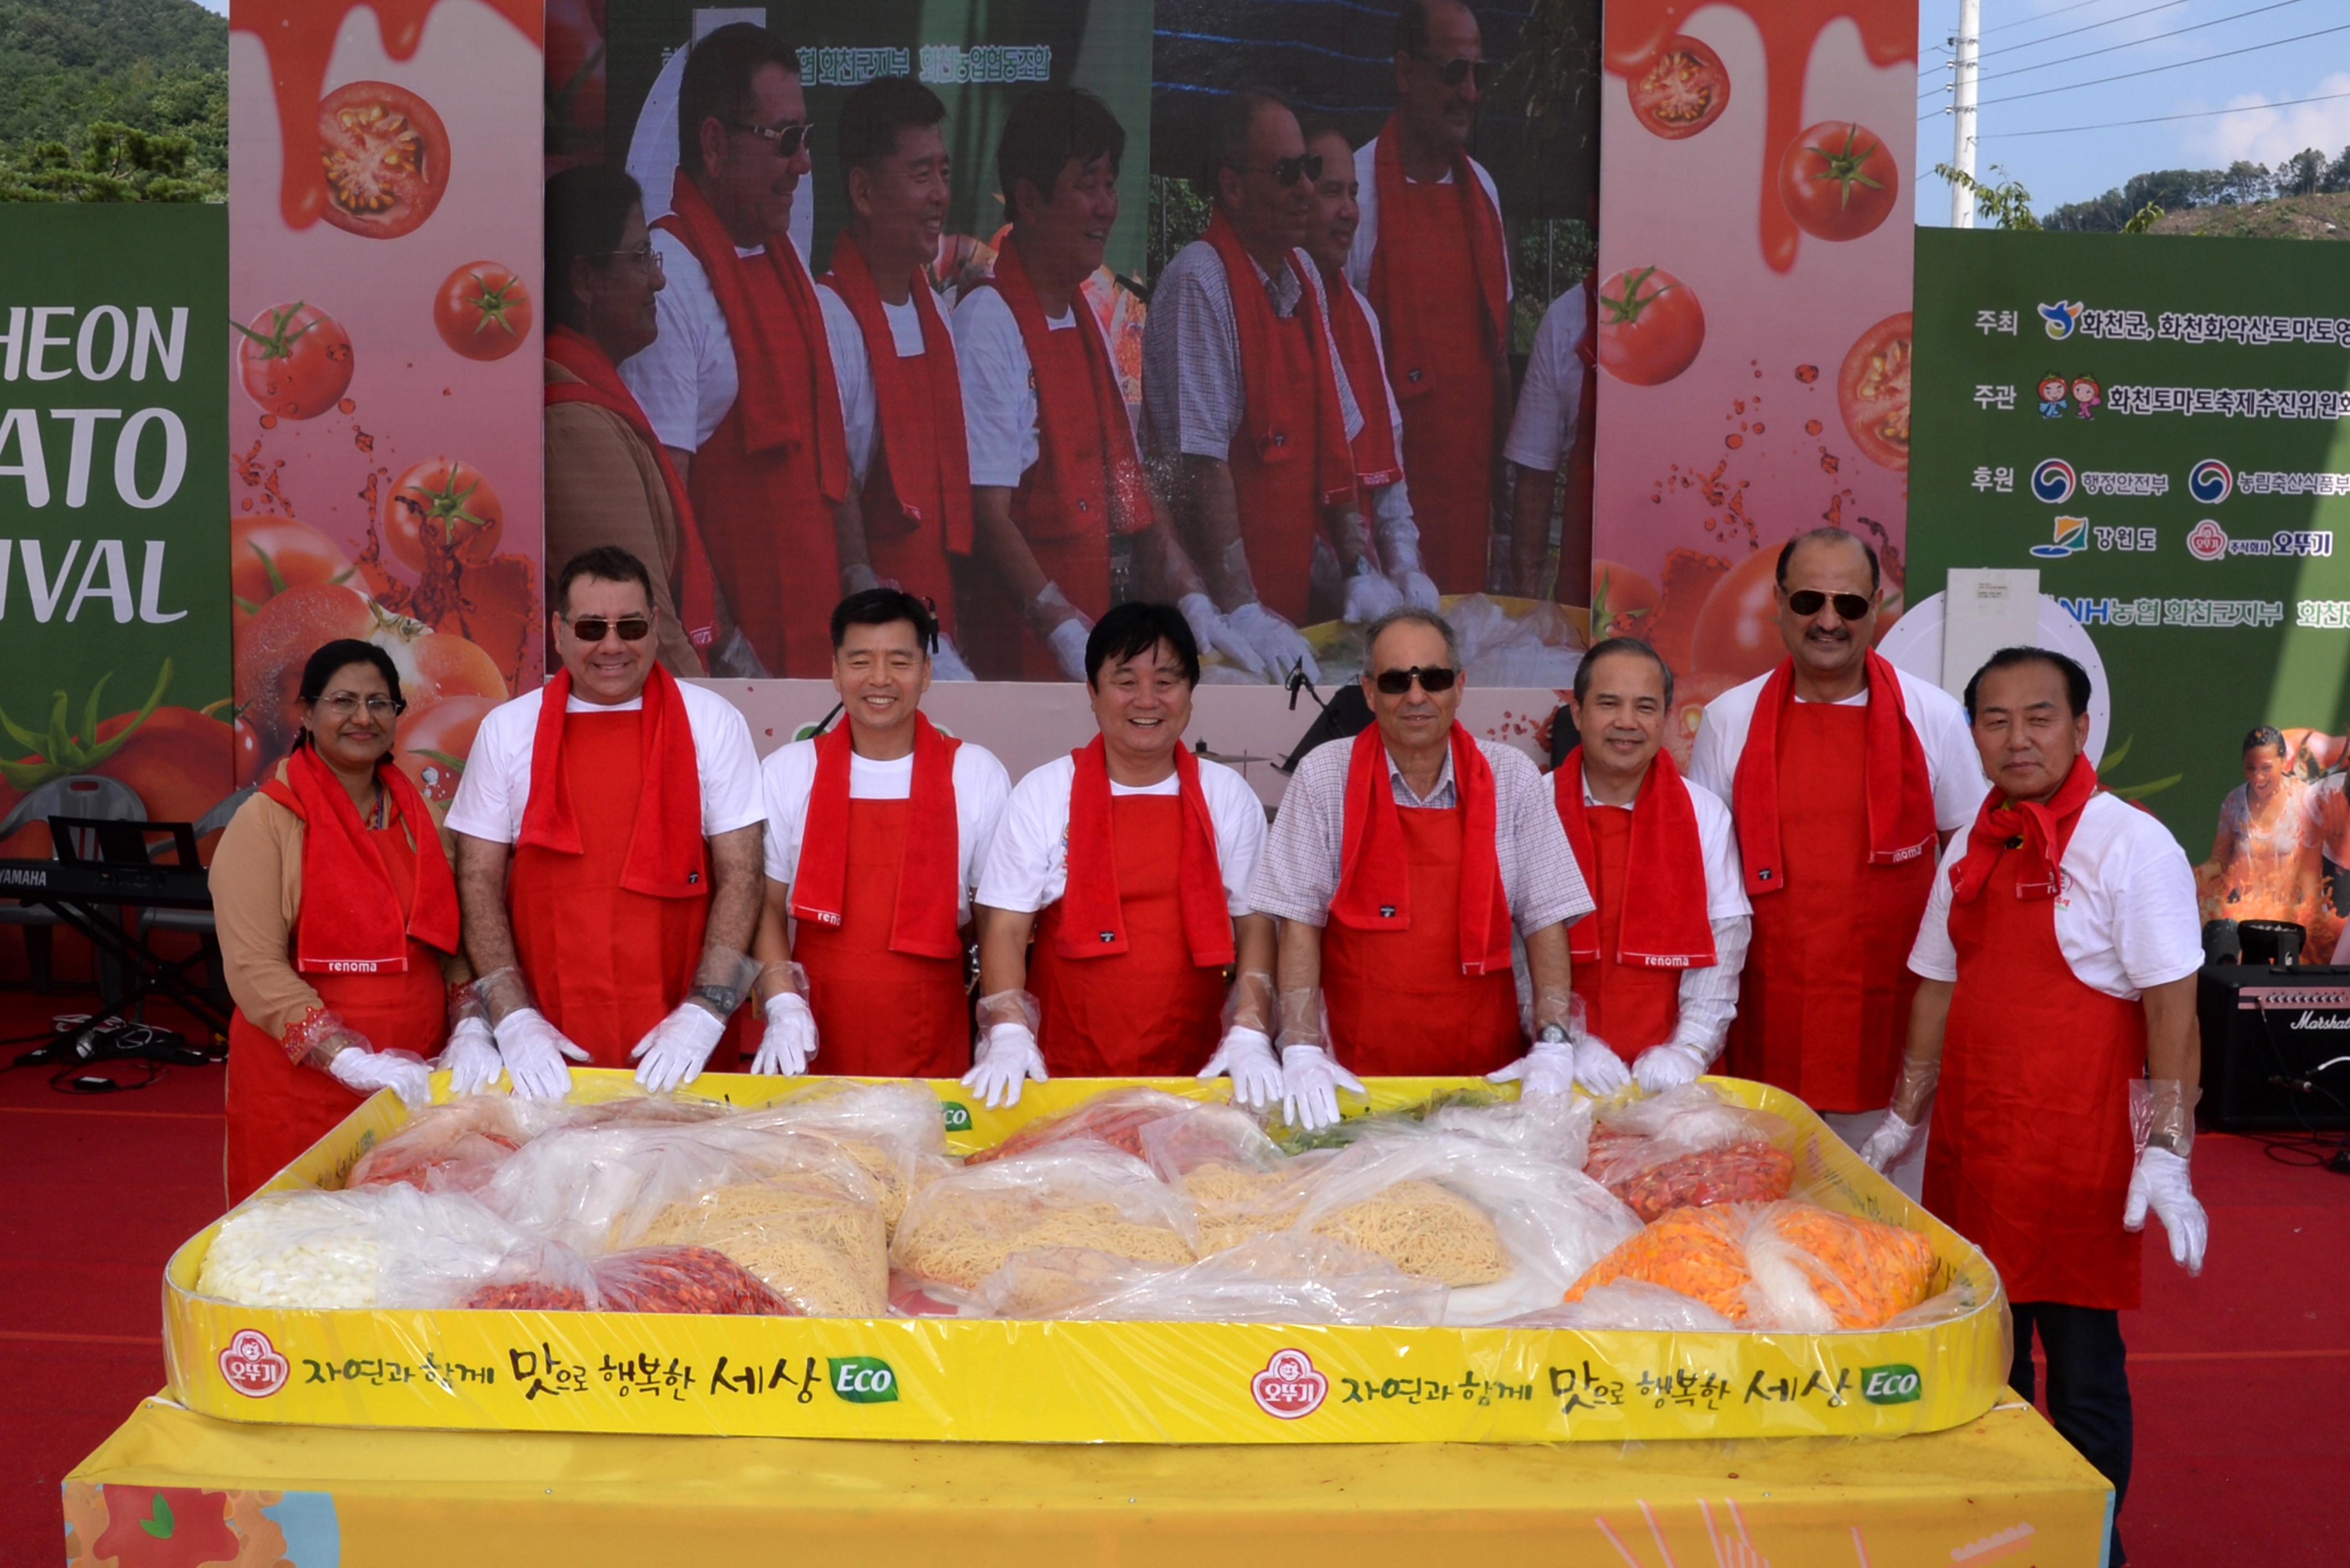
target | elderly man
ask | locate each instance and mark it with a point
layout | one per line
(1843, 776)
(1399, 866)
(608, 850)
(2056, 1010)
(1432, 257)
(739, 383)
(1657, 966)
(1241, 390)
(1128, 861)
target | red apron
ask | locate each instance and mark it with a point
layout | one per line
(1280, 503)
(879, 1014)
(1149, 1011)
(2030, 1155)
(278, 1108)
(1823, 1005)
(1630, 1006)
(1399, 1002)
(607, 962)
(1451, 416)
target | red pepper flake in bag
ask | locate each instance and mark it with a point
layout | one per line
(1752, 1172)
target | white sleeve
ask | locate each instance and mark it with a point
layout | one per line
(1950, 755)
(998, 404)
(1931, 955)
(485, 807)
(1714, 754)
(1366, 227)
(728, 763)
(982, 790)
(1552, 393)
(785, 779)
(1027, 842)
(854, 374)
(1239, 817)
(1725, 878)
(1493, 194)
(666, 375)
(2158, 929)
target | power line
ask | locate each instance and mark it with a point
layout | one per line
(2087, 27)
(2129, 43)
(2044, 16)
(2174, 66)
(2160, 119)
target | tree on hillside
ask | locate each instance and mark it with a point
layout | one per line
(71, 69)
(113, 163)
(2306, 173)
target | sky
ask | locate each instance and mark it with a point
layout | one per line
(2018, 34)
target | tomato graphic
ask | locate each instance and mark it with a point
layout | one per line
(483, 310)
(1691, 694)
(269, 554)
(433, 742)
(442, 508)
(1873, 392)
(274, 643)
(1623, 602)
(177, 760)
(387, 158)
(247, 744)
(1650, 325)
(435, 666)
(1737, 629)
(1683, 90)
(294, 359)
(1837, 179)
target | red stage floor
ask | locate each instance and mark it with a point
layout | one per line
(2241, 1377)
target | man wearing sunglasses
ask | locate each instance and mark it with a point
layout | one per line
(1431, 256)
(1843, 776)
(608, 832)
(1248, 413)
(1399, 867)
(739, 382)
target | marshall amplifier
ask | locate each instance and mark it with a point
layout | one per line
(2276, 1046)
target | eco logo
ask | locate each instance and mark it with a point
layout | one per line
(2072, 538)
(864, 1379)
(958, 1115)
(252, 1366)
(1895, 1384)
(2059, 319)
(1289, 1388)
(2210, 482)
(2207, 541)
(2052, 481)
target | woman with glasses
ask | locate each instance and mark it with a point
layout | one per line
(337, 919)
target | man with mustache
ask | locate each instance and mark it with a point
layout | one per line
(1844, 776)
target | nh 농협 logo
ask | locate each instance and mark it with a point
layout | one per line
(1289, 1388)
(2210, 482)
(2052, 481)
(2207, 541)
(252, 1366)
(2072, 537)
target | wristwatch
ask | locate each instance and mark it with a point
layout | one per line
(1551, 1034)
(720, 1001)
(2176, 1143)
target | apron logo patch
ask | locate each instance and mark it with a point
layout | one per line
(1109, 936)
(691, 878)
(1765, 875)
(1387, 911)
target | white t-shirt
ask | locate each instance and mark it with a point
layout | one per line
(1366, 232)
(1543, 427)
(1028, 864)
(2125, 915)
(999, 387)
(1725, 882)
(860, 414)
(496, 784)
(1952, 764)
(685, 380)
(980, 786)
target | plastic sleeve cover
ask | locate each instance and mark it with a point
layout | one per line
(775, 979)
(727, 970)
(1913, 1088)
(1301, 1017)
(466, 1001)
(1250, 1004)
(2162, 1111)
(1010, 1007)
(504, 992)
(317, 1037)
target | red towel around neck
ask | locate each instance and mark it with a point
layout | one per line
(1664, 924)
(920, 403)
(1093, 925)
(928, 871)
(2045, 827)
(1375, 876)
(1285, 421)
(350, 921)
(1894, 780)
(1399, 267)
(667, 857)
(1376, 462)
(599, 385)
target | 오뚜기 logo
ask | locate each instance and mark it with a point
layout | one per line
(2052, 481)
(252, 1366)
(2207, 541)
(2210, 482)
(1289, 1388)
(2072, 538)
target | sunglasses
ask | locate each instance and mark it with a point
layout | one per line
(1454, 72)
(1432, 679)
(1848, 606)
(786, 140)
(1288, 171)
(592, 628)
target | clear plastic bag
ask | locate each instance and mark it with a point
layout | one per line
(1237, 1202)
(1629, 1304)
(961, 1227)
(823, 1249)
(1555, 1127)
(1117, 1118)
(1687, 1147)
(1699, 1253)
(895, 1131)
(388, 1246)
(1791, 1267)
(643, 1280)
(1291, 1277)
(577, 1185)
(456, 1146)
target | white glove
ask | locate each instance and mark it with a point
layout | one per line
(790, 1039)
(1891, 1142)
(1214, 634)
(1067, 642)
(472, 1057)
(1369, 595)
(673, 1052)
(947, 663)
(534, 1050)
(1599, 1069)
(1548, 1069)
(1310, 1082)
(365, 1072)
(1008, 1058)
(1246, 1058)
(2160, 1183)
(1417, 588)
(1668, 1066)
(1275, 638)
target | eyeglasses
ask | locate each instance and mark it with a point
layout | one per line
(1454, 72)
(592, 628)
(1288, 171)
(1848, 606)
(644, 258)
(343, 704)
(1432, 679)
(786, 140)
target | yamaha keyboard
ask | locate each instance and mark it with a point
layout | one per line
(163, 887)
(104, 867)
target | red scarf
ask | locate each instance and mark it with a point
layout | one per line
(1900, 792)
(1664, 924)
(928, 870)
(599, 385)
(921, 411)
(667, 857)
(1277, 409)
(1114, 488)
(349, 920)
(1399, 270)
(1374, 877)
(1093, 924)
(1376, 462)
(2036, 830)
(783, 371)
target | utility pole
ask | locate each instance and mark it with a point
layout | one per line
(1963, 69)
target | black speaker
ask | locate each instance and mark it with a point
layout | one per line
(2276, 1046)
